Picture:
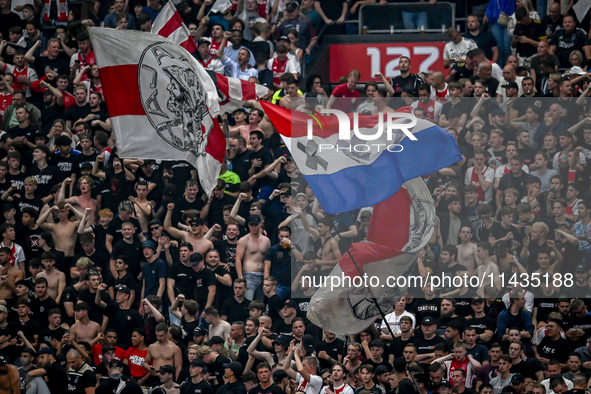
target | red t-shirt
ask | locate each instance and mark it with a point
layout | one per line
(135, 361)
(5, 101)
(343, 91)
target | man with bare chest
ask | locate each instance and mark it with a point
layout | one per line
(160, 353)
(467, 250)
(84, 200)
(56, 280)
(328, 254)
(8, 275)
(84, 330)
(10, 382)
(143, 207)
(194, 236)
(64, 231)
(250, 256)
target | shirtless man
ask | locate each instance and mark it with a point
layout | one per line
(163, 352)
(143, 207)
(56, 280)
(8, 275)
(194, 236)
(10, 382)
(292, 99)
(84, 330)
(84, 200)
(329, 254)
(487, 268)
(64, 231)
(256, 115)
(467, 250)
(250, 255)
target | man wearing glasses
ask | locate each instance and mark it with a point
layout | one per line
(578, 326)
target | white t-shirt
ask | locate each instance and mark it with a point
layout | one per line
(453, 51)
(343, 389)
(394, 322)
(311, 387)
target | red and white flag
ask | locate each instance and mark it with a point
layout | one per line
(169, 24)
(233, 91)
(163, 104)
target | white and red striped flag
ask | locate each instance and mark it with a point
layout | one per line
(169, 24)
(162, 103)
(233, 91)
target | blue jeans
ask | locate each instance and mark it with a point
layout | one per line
(254, 285)
(283, 292)
(503, 41)
(414, 20)
(542, 7)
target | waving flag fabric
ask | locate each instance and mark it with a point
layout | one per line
(161, 101)
(343, 181)
(169, 24)
(233, 91)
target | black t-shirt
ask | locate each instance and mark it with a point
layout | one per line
(78, 112)
(234, 310)
(222, 292)
(46, 334)
(183, 205)
(66, 166)
(78, 382)
(125, 321)
(266, 158)
(196, 388)
(425, 346)
(184, 278)
(424, 308)
(82, 158)
(545, 306)
(203, 280)
(114, 228)
(397, 345)
(46, 178)
(527, 368)
(51, 114)
(40, 310)
(59, 65)
(551, 349)
(134, 253)
(29, 240)
(57, 378)
(272, 389)
(333, 349)
(95, 313)
(241, 164)
(30, 328)
(227, 255)
(411, 81)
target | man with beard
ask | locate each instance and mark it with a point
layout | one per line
(406, 79)
(98, 116)
(483, 39)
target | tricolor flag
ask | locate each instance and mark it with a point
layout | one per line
(345, 180)
(169, 24)
(349, 178)
(161, 101)
(220, 6)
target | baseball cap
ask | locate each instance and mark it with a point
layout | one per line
(195, 259)
(123, 289)
(308, 343)
(108, 348)
(517, 378)
(282, 340)
(283, 38)
(7, 207)
(215, 340)
(203, 41)
(381, 369)
(576, 70)
(149, 244)
(198, 331)
(510, 85)
(476, 300)
(3, 309)
(291, 6)
(4, 331)
(155, 221)
(580, 268)
(428, 321)
(197, 363)
(46, 350)
(235, 367)
(28, 350)
(365, 214)
(290, 303)
(166, 369)
(23, 283)
(42, 134)
(445, 383)
(86, 166)
(116, 364)
(376, 342)
(196, 221)
(240, 110)
(279, 375)
(254, 219)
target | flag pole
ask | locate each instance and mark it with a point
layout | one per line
(375, 301)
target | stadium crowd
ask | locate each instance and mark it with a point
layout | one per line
(117, 274)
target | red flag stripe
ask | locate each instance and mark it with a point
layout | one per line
(125, 100)
(171, 25)
(216, 145)
(249, 90)
(189, 45)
